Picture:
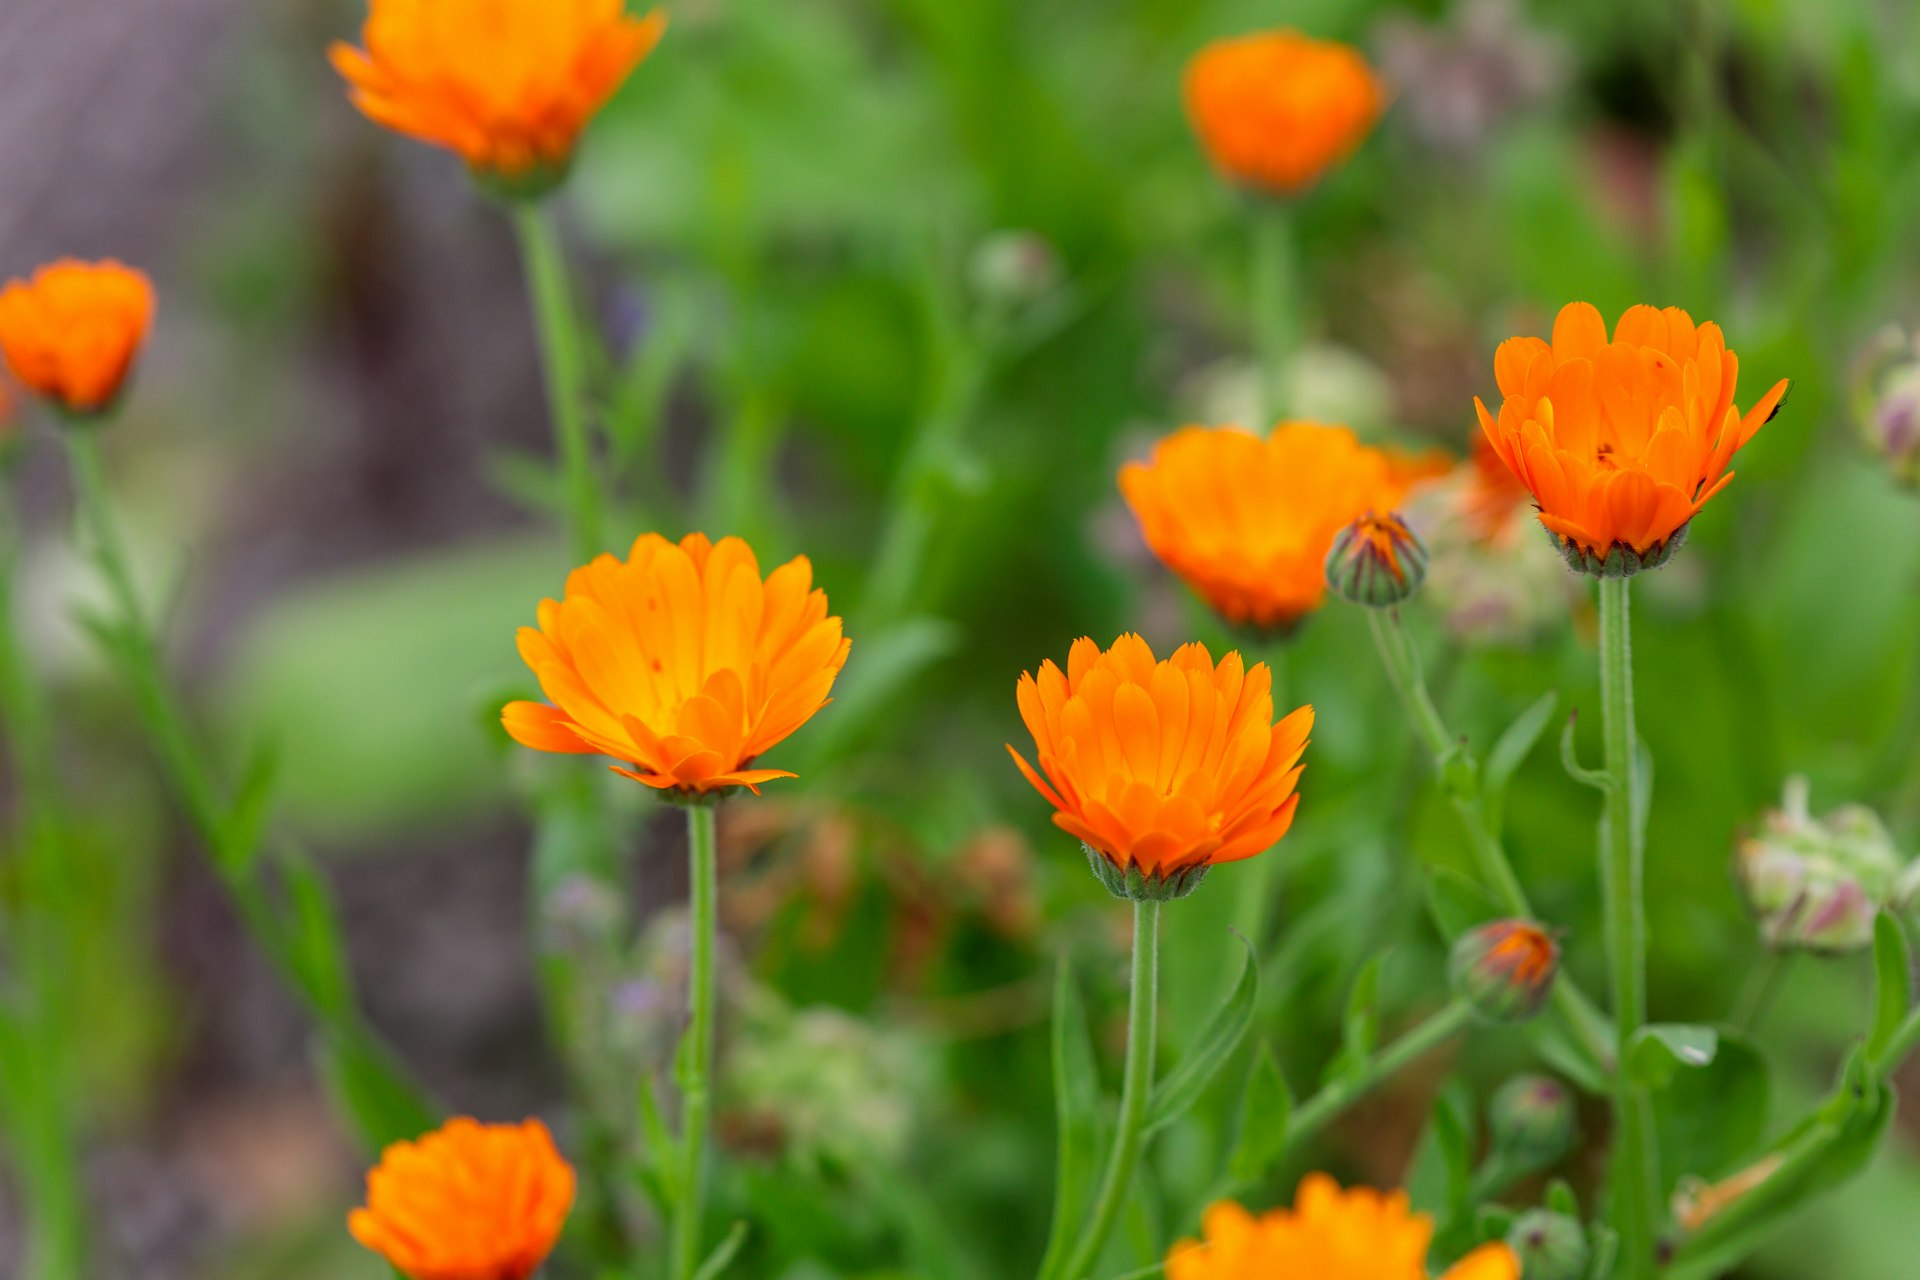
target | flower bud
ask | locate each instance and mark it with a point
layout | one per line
(1376, 561)
(1886, 400)
(1816, 884)
(1505, 969)
(1532, 1120)
(1550, 1246)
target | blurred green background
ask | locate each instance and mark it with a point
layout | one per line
(791, 229)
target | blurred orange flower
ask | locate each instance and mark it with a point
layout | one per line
(681, 661)
(1329, 1234)
(468, 1201)
(1248, 522)
(1621, 441)
(1162, 767)
(71, 333)
(508, 84)
(1275, 110)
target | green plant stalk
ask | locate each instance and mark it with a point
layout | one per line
(1460, 776)
(1272, 289)
(232, 853)
(1136, 1089)
(564, 364)
(1634, 1179)
(43, 1142)
(696, 1064)
(1313, 1115)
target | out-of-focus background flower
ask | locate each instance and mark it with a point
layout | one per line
(792, 225)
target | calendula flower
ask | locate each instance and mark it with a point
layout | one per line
(1329, 1234)
(1376, 561)
(508, 84)
(680, 660)
(1505, 969)
(1248, 522)
(72, 331)
(469, 1201)
(1621, 441)
(1161, 769)
(1275, 110)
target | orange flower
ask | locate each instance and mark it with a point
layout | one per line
(1248, 522)
(680, 660)
(1621, 442)
(1329, 1234)
(71, 332)
(1505, 968)
(509, 84)
(1275, 110)
(468, 1201)
(1162, 768)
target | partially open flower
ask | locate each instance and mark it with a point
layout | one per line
(1248, 522)
(1621, 441)
(1816, 884)
(681, 661)
(508, 84)
(1505, 969)
(468, 1201)
(1161, 769)
(71, 333)
(1329, 1234)
(1276, 109)
(1376, 561)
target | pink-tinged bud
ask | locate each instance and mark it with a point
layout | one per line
(1532, 1119)
(1505, 969)
(1376, 561)
(1816, 884)
(1886, 398)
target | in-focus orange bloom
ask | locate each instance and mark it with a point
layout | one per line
(1248, 522)
(1275, 110)
(508, 84)
(71, 333)
(1329, 1234)
(1621, 441)
(1162, 768)
(468, 1201)
(680, 660)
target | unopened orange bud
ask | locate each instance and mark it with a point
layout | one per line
(71, 333)
(1505, 969)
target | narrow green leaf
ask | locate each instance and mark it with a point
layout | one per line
(245, 823)
(312, 930)
(369, 1088)
(1185, 1083)
(1892, 981)
(1361, 1028)
(1076, 1106)
(660, 1153)
(717, 1261)
(1266, 1110)
(1514, 745)
(1457, 902)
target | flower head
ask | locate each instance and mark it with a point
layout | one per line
(71, 333)
(1276, 109)
(508, 84)
(1329, 1234)
(1621, 441)
(1248, 522)
(1817, 884)
(468, 1201)
(1161, 768)
(1505, 969)
(1376, 561)
(1886, 399)
(680, 660)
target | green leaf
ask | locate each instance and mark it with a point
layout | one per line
(1440, 1181)
(1512, 748)
(311, 930)
(369, 1088)
(1266, 1110)
(1710, 1118)
(240, 834)
(659, 1157)
(1361, 1028)
(1658, 1050)
(1183, 1086)
(1893, 982)
(717, 1261)
(1598, 779)
(1076, 1107)
(1457, 902)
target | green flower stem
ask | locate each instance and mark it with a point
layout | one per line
(1314, 1114)
(1460, 775)
(565, 365)
(1135, 1091)
(1272, 288)
(1634, 1177)
(696, 1057)
(1905, 1039)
